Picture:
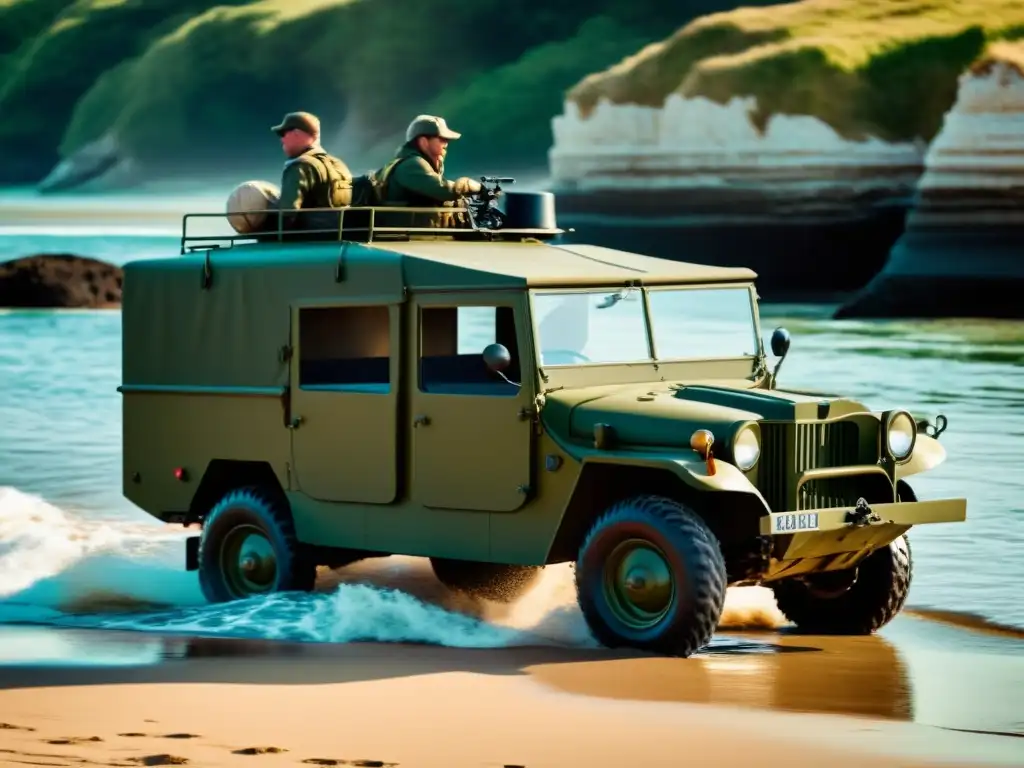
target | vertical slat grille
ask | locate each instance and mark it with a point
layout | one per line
(826, 445)
(772, 472)
(816, 446)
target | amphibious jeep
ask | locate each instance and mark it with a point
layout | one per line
(498, 400)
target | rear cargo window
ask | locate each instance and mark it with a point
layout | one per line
(345, 347)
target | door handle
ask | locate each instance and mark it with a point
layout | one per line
(422, 419)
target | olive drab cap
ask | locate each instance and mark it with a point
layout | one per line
(304, 121)
(429, 125)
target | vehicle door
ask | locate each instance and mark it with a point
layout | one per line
(344, 400)
(471, 432)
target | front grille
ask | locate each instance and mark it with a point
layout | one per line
(789, 449)
(826, 445)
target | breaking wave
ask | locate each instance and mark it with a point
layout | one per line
(58, 568)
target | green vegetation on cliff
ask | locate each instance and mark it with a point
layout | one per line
(193, 85)
(74, 42)
(196, 83)
(884, 68)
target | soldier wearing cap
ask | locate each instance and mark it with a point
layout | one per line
(312, 178)
(417, 176)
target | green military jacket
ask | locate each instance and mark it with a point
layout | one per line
(414, 183)
(314, 179)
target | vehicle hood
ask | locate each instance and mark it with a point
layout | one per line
(666, 415)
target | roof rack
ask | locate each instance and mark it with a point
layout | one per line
(484, 223)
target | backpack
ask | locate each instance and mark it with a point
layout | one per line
(337, 176)
(369, 189)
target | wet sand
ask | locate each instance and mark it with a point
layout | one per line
(921, 693)
(220, 702)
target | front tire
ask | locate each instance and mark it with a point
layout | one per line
(877, 594)
(248, 547)
(650, 575)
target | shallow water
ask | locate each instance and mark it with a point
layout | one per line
(73, 551)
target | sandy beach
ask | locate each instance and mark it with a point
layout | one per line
(922, 693)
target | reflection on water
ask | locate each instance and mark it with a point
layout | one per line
(32, 646)
(876, 676)
(864, 676)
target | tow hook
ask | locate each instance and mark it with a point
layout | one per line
(862, 515)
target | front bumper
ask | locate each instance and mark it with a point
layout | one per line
(906, 513)
(837, 538)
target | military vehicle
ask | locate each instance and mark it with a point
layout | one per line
(497, 400)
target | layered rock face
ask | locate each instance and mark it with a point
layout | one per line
(963, 250)
(60, 281)
(695, 180)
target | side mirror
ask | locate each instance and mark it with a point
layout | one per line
(497, 357)
(780, 346)
(780, 342)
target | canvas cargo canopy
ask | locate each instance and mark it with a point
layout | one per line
(219, 318)
(177, 333)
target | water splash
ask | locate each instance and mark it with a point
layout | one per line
(59, 569)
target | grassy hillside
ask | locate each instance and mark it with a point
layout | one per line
(233, 71)
(887, 68)
(74, 43)
(186, 83)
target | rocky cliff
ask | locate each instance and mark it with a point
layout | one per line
(963, 250)
(787, 139)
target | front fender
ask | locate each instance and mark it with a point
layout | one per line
(928, 454)
(693, 472)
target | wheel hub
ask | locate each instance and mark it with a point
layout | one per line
(639, 584)
(248, 561)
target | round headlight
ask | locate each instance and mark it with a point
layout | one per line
(901, 434)
(746, 448)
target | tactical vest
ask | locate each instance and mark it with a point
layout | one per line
(335, 189)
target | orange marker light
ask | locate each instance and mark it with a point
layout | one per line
(701, 441)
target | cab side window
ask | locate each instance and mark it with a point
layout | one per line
(452, 342)
(345, 348)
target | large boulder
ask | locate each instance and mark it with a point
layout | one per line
(60, 280)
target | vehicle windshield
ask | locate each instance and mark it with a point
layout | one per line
(608, 326)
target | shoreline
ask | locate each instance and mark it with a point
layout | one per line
(892, 700)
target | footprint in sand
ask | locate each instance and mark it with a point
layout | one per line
(9, 727)
(135, 734)
(259, 751)
(359, 763)
(160, 760)
(74, 740)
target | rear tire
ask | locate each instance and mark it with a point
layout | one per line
(875, 597)
(650, 575)
(490, 581)
(248, 547)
